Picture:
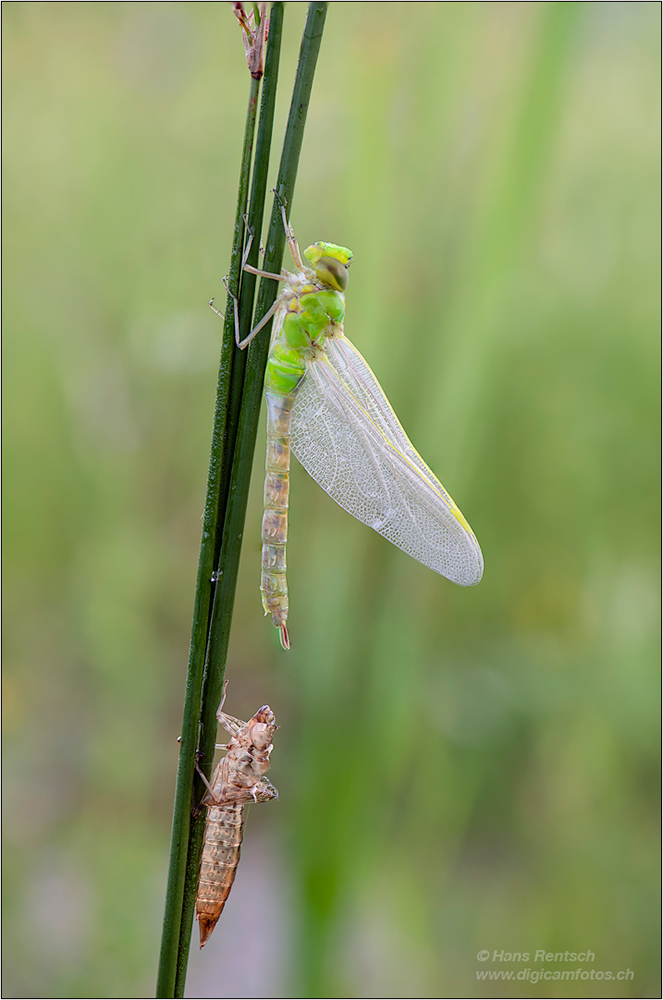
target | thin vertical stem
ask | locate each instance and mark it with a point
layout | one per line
(255, 219)
(203, 594)
(236, 420)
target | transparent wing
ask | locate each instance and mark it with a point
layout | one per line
(348, 438)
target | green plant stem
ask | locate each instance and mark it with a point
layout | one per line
(203, 595)
(172, 973)
(224, 595)
(247, 293)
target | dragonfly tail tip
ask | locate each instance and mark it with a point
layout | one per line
(285, 638)
(206, 925)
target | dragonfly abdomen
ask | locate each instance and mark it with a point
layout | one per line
(223, 841)
(273, 582)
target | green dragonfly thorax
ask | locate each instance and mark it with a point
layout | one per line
(330, 263)
(311, 311)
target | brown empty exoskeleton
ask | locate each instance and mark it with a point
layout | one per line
(237, 780)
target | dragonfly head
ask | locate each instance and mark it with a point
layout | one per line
(330, 263)
(263, 727)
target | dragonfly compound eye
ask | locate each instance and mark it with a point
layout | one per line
(332, 272)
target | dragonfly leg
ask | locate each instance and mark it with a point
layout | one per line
(235, 309)
(222, 315)
(196, 810)
(293, 245)
(230, 723)
(224, 695)
(265, 274)
(266, 318)
(209, 799)
(255, 270)
(245, 267)
(204, 779)
(249, 243)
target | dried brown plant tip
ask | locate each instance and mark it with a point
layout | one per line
(255, 29)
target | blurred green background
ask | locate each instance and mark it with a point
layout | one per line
(459, 770)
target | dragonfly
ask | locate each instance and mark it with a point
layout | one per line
(238, 779)
(325, 404)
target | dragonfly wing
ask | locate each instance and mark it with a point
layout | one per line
(348, 438)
